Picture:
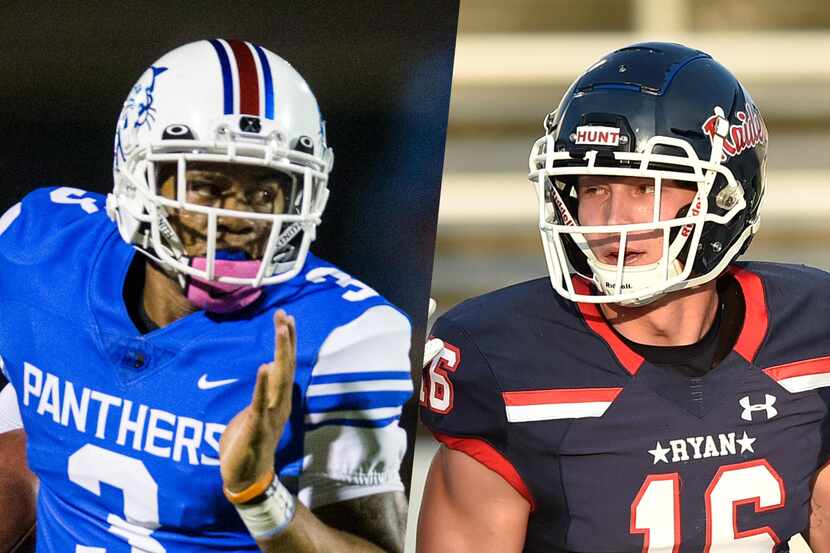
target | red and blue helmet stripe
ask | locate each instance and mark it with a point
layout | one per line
(254, 85)
(268, 81)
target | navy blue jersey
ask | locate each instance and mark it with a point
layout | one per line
(123, 428)
(616, 455)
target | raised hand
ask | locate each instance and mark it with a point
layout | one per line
(246, 450)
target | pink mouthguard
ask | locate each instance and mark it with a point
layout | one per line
(220, 297)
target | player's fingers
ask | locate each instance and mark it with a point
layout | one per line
(292, 342)
(280, 318)
(259, 400)
(281, 337)
(282, 373)
(286, 343)
(432, 348)
(433, 305)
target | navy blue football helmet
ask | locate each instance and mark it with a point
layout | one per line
(661, 111)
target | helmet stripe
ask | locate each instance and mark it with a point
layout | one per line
(248, 78)
(227, 78)
(269, 83)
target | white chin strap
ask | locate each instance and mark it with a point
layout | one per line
(636, 278)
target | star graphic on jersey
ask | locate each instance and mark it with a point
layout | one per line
(660, 453)
(746, 443)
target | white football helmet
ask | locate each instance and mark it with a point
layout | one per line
(224, 101)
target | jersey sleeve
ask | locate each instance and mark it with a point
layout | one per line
(824, 452)
(353, 442)
(37, 226)
(9, 411)
(6, 221)
(462, 404)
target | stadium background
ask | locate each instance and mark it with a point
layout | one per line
(515, 59)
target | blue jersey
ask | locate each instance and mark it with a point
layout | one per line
(615, 454)
(123, 428)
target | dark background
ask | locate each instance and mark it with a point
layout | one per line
(380, 69)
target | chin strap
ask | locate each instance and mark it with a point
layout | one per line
(635, 278)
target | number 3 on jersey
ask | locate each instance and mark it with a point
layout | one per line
(68, 195)
(91, 466)
(355, 290)
(655, 511)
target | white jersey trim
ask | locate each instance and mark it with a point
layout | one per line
(354, 414)
(376, 341)
(9, 411)
(526, 413)
(795, 384)
(9, 217)
(359, 386)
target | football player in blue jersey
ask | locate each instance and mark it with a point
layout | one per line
(189, 377)
(666, 397)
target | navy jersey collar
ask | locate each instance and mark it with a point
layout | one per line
(750, 338)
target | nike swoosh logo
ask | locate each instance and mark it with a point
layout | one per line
(205, 384)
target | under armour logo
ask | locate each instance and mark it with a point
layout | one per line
(769, 401)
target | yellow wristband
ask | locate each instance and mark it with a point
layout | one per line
(254, 490)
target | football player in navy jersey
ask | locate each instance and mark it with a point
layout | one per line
(666, 397)
(188, 375)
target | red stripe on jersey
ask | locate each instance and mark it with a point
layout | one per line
(487, 455)
(819, 365)
(756, 318)
(628, 358)
(560, 395)
(248, 79)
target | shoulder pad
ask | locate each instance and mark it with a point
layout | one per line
(33, 227)
(460, 395)
(362, 368)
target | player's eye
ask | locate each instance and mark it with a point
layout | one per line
(589, 190)
(263, 196)
(206, 188)
(645, 188)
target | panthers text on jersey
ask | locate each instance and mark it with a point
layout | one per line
(123, 428)
(616, 455)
